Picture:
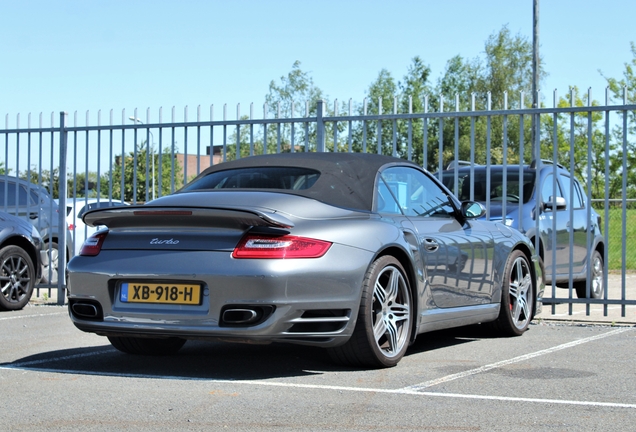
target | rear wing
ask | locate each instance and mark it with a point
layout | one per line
(217, 217)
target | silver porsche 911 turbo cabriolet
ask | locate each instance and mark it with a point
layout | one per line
(356, 253)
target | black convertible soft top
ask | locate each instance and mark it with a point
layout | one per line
(346, 179)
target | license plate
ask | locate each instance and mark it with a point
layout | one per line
(169, 293)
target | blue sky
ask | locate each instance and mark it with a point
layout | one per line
(92, 55)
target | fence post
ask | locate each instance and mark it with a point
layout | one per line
(320, 127)
(61, 242)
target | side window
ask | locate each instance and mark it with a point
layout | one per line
(578, 201)
(11, 198)
(547, 189)
(34, 196)
(567, 183)
(385, 202)
(3, 195)
(412, 193)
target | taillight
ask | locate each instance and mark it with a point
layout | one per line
(93, 245)
(284, 247)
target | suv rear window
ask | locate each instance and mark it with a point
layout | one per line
(290, 178)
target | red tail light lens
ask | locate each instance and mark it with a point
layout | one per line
(93, 245)
(285, 247)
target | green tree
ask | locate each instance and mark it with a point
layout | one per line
(137, 170)
(76, 184)
(507, 69)
(377, 136)
(502, 77)
(49, 181)
(576, 133)
(454, 90)
(625, 88)
(414, 90)
(249, 139)
(83, 185)
(291, 97)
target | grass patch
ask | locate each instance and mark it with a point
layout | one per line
(616, 238)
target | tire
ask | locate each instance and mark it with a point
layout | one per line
(517, 296)
(147, 346)
(384, 323)
(17, 278)
(52, 249)
(597, 282)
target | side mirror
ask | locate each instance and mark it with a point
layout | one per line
(472, 210)
(555, 203)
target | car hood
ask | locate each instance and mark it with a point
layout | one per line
(7, 219)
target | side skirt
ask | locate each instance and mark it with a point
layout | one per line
(439, 319)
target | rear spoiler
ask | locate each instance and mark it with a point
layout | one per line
(217, 217)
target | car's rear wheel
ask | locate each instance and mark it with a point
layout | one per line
(147, 346)
(517, 296)
(383, 328)
(17, 278)
(597, 281)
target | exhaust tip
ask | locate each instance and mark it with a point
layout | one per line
(240, 316)
(244, 315)
(86, 310)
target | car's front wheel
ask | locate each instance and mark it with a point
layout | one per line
(147, 346)
(517, 296)
(383, 328)
(17, 278)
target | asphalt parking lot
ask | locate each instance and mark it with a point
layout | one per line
(557, 376)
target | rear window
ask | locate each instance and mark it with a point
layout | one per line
(289, 178)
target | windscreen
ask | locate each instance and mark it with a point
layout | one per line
(496, 190)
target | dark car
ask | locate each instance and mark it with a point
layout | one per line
(565, 217)
(32, 203)
(20, 269)
(356, 253)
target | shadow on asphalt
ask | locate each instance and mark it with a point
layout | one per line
(451, 337)
(221, 360)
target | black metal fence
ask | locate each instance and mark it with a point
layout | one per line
(133, 160)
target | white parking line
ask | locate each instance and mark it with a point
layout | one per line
(31, 316)
(402, 391)
(524, 357)
(415, 390)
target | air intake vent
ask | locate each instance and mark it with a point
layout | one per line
(321, 321)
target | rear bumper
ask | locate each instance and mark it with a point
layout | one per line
(306, 301)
